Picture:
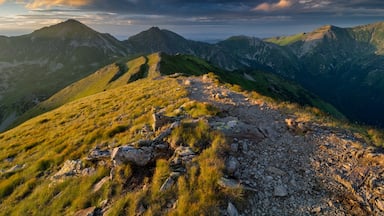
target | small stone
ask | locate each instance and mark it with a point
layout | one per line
(69, 168)
(280, 191)
(232, 124)
(231, 210)
(276, 171)
(245, 147)
(100, 184)
(380, 204)
(103, 203)
(232, 164)
(167, 184)
(140, 210)
(229, 183)
(91, 211)
(293, 182)
(316, 210)
(98, 154)
(234, 147)
(187, 82)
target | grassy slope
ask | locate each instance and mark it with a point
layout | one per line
(286, 40)
(264, 83)
(154, 65)
(113, 117)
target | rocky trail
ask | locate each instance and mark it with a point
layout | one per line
(288, 167)
(283, 164)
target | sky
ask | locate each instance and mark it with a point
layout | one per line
(193, 19)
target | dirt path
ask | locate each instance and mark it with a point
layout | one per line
(317, 171)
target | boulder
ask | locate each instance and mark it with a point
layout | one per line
(129, 154)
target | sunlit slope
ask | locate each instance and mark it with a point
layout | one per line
(154, 65)
(43, 144)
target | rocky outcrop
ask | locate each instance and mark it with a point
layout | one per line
(72, 168)
(69, 168)
(140, 156)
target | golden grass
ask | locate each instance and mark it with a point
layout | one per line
(69, 132)
(110, 118)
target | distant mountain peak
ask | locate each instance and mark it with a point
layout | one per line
(154, 28)
(72, 21)
(155, 31)
(155, 39)
(70, 28)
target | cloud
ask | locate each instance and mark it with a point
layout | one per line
(282, 4)
(36, 4)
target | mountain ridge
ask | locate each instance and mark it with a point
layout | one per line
(346, 59)
(164, 134)
(205, 145)
(160, 64)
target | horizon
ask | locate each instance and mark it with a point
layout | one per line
(193, 36)
(197, 20)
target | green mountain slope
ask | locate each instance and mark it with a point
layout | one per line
(157, 64)
(343, 63)
(80, 126)
(168, 146)
(35, 66)
(334, 63)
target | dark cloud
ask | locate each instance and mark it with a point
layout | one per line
(240, 10)
(224, 17)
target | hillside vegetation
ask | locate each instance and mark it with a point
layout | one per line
(33, 152)
(330, 62)
(154, 65)
(63, 162)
